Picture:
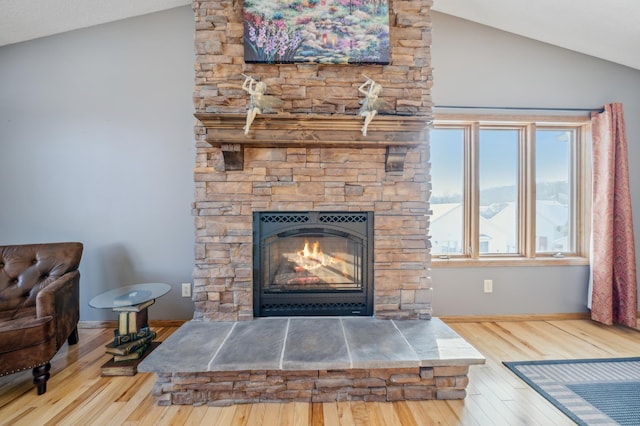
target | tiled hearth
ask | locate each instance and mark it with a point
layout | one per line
(311, 360)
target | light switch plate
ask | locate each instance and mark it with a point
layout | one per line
(186, 289)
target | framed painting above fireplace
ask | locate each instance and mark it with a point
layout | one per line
(316, 31)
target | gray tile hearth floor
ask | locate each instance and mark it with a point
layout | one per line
(310, 343)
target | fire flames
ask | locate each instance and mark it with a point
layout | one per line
(309, 259)
(312, 257)
(310, 265)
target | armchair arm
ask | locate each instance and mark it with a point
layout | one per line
(61, 300)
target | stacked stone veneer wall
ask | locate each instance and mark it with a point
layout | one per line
(237, 387)
(310, 176)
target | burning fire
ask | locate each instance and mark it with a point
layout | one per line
(310, 265)
(310, 258)
(315, 253)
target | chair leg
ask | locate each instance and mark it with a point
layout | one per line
(73, 337)
(40, 377)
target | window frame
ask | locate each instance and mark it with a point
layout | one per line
(526, 215)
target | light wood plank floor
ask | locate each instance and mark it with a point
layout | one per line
(77, 394)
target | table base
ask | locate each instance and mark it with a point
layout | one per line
(126, 368)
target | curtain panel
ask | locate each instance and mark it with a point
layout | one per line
(614, 292)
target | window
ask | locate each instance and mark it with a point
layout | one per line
(507, 191)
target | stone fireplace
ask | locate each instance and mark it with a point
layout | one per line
(310, 156)
(307, 219)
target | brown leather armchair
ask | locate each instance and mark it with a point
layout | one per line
(39, 305)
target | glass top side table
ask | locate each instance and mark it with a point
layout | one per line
(133, 339)
(130, 296)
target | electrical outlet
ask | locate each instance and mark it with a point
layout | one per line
(488, 286)
(186, 289)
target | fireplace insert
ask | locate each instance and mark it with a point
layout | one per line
(312, 263)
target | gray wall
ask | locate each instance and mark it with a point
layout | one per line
(96, 134)
(97, 146)
(476, 65)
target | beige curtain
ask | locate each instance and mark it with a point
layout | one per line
(614, 288)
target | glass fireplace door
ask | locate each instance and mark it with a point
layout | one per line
(310, 264)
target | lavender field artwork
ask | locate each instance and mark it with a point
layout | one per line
(316, 31)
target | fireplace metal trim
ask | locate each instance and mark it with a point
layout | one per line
(357, 225)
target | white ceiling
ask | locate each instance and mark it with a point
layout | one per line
(608, 30)
(604, 29)
(22, 20)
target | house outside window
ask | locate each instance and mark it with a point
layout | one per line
(511, 191)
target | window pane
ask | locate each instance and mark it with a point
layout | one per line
(554, 198)
(498, 186)
(447, 174)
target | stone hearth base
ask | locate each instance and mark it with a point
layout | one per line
(381, 385)
(305, 359)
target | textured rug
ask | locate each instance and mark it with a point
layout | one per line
(589, 391)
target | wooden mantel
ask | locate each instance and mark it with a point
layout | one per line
(395, 132)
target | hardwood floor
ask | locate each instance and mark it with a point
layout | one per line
(77, 394)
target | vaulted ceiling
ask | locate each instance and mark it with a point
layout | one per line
(22, 20)
(607, 30)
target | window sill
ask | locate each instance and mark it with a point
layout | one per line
(509, 262)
